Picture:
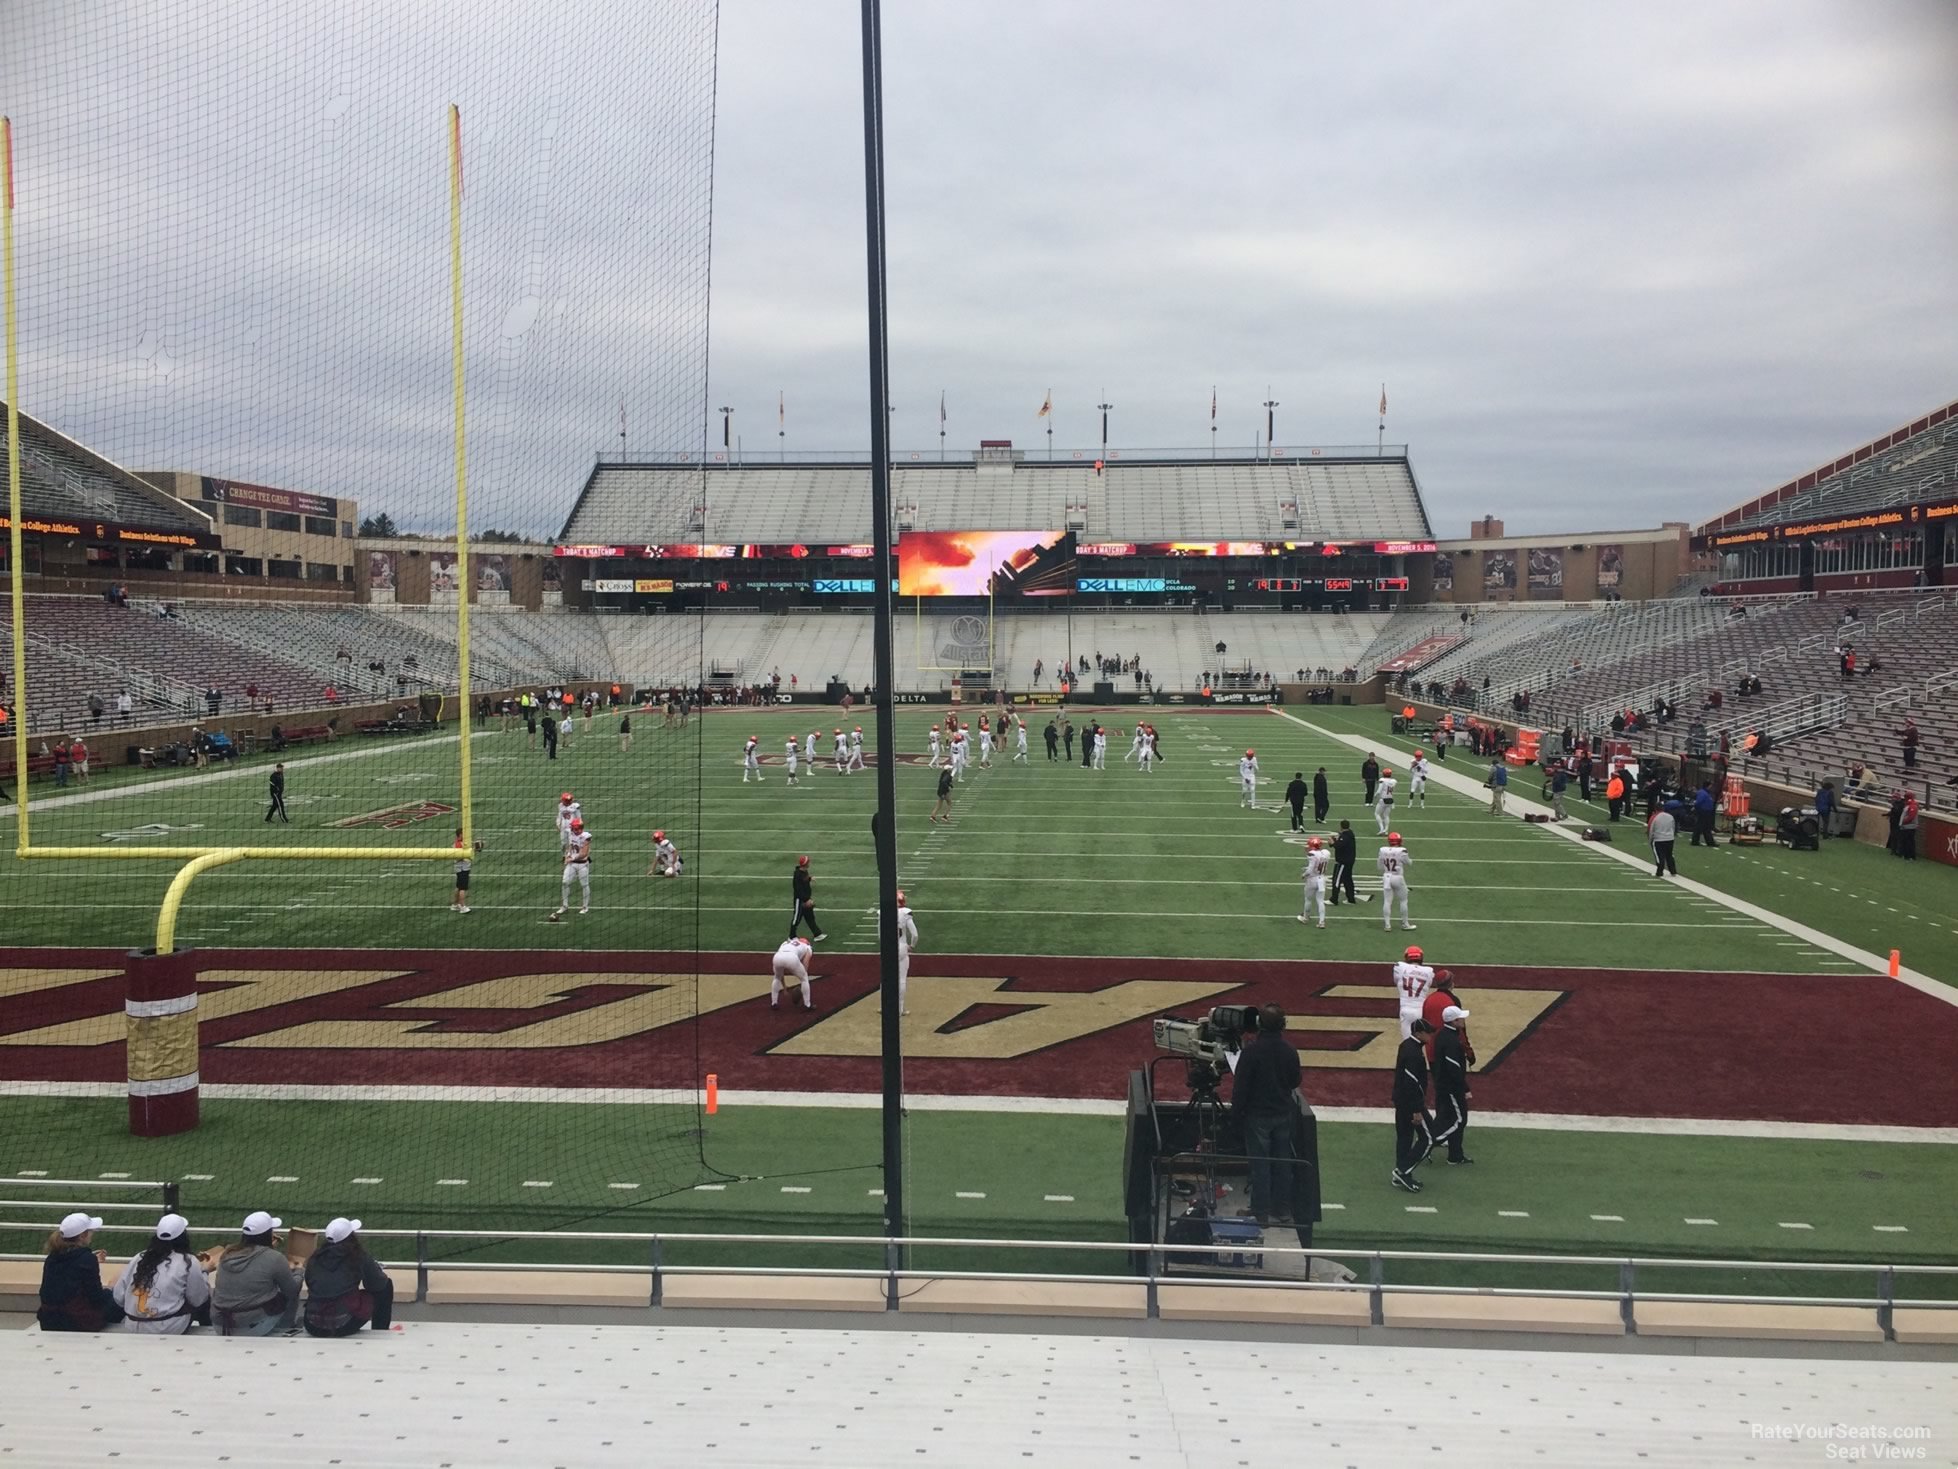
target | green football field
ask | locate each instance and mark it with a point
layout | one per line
(1041, 858)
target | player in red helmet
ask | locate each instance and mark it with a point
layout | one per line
(1413, 979)
(577, 866)
(1317, 873)
(666, 857)
(907, 940)
(1247, 781)
(839, 750)
(751, 760)
(1383, 801)
(568, 810)
(1393, 863)
(856, 748)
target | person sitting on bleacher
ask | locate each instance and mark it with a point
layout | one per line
(73, 1297)
(257, 1287)
(164, 1291)
(346, 1288)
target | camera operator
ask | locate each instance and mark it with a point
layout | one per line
(1261, 1100)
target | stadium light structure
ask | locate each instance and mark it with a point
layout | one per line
(727, 435)
(1270, 403)
(1104, 409)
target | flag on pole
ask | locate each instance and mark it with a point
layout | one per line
(1383, 400)
(941, 408)
(1047, 405)
(1213, 405)
(781, 410)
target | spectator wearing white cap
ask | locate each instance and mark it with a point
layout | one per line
(163, 1290)
(1452, 1085)
(73, 1297)
(257, 1288)
(346, 1288)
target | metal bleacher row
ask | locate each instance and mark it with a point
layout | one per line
(1189, 500)
(1922, 467)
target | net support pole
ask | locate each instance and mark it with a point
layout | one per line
(883, 568)
(15, 570)
(463, 579)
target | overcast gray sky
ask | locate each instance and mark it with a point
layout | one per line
(1613, 264)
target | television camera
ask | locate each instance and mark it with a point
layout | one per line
(1207, 1043)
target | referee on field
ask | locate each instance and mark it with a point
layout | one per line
(276, 789)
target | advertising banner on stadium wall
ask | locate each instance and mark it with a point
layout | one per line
(263, 497)
(1611, 567)
(1498, 572)
(1444, 573)
(1189, 548)
(1546, 574)
(714, 551)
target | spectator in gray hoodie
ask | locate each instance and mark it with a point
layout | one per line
(346, 1288)
(1664, 831)
(256, 1291)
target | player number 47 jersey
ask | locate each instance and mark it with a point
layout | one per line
(1317, 865)
(1413, 981)
(1394, 861)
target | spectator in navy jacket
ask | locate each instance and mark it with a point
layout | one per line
(73, 1297)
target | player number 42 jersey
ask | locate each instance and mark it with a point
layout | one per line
(1318, 864)
(1394, 861)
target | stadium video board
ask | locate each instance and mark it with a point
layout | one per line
(978, 563)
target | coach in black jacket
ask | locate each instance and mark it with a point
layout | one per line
(1295, 798)
(1452, 1084)
(805, 902)
(1344, 849)
(1413, 1129)
(1369, 777)
(1322, 797)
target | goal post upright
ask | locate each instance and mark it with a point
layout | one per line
(15, 570)
(464, 713)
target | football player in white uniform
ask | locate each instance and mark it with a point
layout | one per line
(751, 760)
(933, 763)
(985, 743)
(1100, 737)
(1412, 981)
(568, 811)
(1135, 746)
(577, 864)
(666, 857)
(1318, 868)
(1247, 780)
(959, 752)
(792, 962)
(907, 939)
(1020, 738)
(1383, 802)
(856, 748)
(1393, 863)
(1417, 780)
(1145, 760)
(790, 753)
(809, 750)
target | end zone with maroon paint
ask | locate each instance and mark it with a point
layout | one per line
(1585, 1042)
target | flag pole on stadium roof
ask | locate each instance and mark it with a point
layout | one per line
(883, 568)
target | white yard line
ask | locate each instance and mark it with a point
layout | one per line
(1864, 958)
(1026, 1106)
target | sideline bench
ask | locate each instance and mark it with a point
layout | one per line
(37, 766)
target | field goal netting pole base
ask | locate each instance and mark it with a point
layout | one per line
(160, 1006)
